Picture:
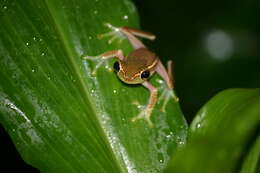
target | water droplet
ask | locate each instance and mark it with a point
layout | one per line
(168, 136)
(181, 143)
(89, 37)
(198, 125)
(40, 39)
(92, 91)
(33, 70)
(107, 66)
(160, 157)
(160, 81)
(34, 38)
(43, 53)
(125, 17)
(114, 91)
(27, 43)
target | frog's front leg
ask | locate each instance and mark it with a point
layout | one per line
(147, 110)
(104, 57)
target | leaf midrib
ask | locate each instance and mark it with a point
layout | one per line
(69, 51)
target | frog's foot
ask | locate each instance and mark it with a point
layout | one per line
(144, 114)
(115, 34)
(166, 95)
(101, 60)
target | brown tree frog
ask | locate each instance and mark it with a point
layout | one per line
(138, 66)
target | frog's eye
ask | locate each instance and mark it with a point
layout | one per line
(145, 74)
(116, 66)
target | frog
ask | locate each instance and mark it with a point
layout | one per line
(138, 67)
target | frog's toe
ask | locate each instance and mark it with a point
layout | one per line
(145, 114)
(113, 35)
(138, 105)
(86, 57)
(166, 95)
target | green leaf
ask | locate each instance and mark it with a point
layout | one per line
(252, 158)
(220, 133)
(59, 116)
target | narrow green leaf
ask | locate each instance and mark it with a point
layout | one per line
(220, 133)
(60, 117)
(252, 158)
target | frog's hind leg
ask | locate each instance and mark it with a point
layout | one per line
(167, 90)
(131, 33)
(166, 75)
(139, 33)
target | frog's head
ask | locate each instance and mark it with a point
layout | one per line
(133, 73)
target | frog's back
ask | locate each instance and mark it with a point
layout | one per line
(139, 60)
(144, 56)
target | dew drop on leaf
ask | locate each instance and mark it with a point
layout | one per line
(160, 157)
(181, 143)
